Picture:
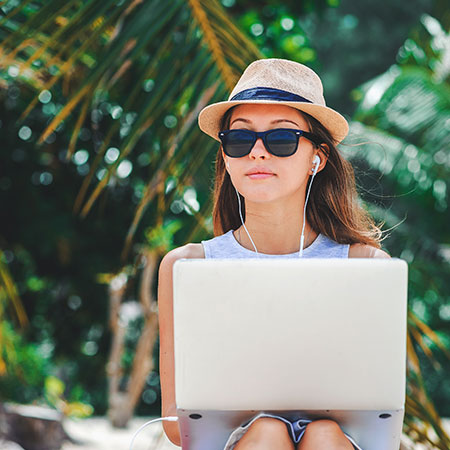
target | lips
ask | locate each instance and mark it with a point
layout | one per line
(259, 173)
(257, 170)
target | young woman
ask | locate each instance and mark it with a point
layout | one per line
(283, 190)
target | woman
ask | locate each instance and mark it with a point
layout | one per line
(277, 136)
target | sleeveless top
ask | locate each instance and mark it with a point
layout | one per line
(226, 246)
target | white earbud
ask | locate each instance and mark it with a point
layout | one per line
(316, 162)
(227, 165)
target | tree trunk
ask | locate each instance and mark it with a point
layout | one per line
(123, 402)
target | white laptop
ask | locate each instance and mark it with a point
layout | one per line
(306, 338)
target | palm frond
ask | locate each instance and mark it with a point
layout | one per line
(8, 290)
(8, 297)
(428, 332)
(213, 49)
(157, 182)
(213, 42)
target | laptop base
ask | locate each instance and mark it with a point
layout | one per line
(371, 430)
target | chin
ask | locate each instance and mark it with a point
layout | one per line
(264, 194)
(261, 196)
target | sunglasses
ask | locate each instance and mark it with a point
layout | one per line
(280, 142)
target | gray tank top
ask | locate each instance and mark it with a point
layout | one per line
(226, 246)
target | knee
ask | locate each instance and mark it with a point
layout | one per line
(326, 434)
(267, 429)
(324, 428)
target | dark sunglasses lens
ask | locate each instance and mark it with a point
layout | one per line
(238, 143)
(282, 142)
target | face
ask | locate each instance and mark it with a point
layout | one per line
(261, 176)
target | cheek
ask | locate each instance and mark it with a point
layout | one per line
(236, 167)
(294, 172)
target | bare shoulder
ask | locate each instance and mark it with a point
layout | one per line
(188, 251)
(366, 251)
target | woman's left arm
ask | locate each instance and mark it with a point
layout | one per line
(366, 251)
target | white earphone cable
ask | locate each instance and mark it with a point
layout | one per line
(243, 224)
(168, 419)
(302, 237)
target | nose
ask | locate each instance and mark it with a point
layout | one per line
(259, 150)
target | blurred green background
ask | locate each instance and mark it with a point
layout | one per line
(134, 75)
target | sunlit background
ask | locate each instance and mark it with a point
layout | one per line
(103, 170)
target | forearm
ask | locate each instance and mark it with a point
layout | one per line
(171, 429)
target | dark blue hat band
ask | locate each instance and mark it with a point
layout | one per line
(264, 93)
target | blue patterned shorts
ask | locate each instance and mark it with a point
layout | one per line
(296, 430)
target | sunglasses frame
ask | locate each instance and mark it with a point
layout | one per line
(263, 135)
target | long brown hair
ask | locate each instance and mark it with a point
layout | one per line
(333, 208)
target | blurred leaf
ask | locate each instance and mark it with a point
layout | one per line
(8, 291)
(54, 392)
(161, 237)
(54, 387)
(78, 409)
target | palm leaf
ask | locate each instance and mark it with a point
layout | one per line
(412, 137)
(8, 293)
(157, 182)
(8, 290)
(213, 42)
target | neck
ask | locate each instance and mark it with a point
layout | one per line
(275, 227)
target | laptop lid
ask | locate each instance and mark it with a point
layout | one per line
(309, 334)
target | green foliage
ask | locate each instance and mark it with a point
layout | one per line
(54, 394)
(28, 377)
(27, 367)
(162, 237)
(405, 170)
(277, 30)
(54, 257)
(344, 37)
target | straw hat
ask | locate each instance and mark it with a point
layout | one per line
(277, 82)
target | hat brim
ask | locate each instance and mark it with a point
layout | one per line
(210, 117)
